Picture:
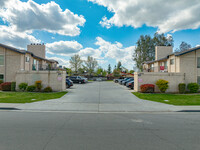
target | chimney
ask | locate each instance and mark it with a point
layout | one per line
(162, 51)
(37, 49)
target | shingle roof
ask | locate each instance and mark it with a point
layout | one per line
(176, 54)
(24, 52)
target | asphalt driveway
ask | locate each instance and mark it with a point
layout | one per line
(99, 97)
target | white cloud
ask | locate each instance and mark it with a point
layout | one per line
(117, 51)
(96, 53)
(61, 61)
(29, 16)
(65, 48)
(16, 39)
(171, 15)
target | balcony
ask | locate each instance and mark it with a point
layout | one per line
(156, 69)
(44, 68)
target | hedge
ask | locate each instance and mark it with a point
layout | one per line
(147, 88)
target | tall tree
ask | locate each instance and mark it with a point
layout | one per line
(91, 64)
(119, 65)
(184, 46)
(145, 50)
(75, 63)
(109, 69)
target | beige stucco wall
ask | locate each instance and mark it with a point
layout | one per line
(13, 63)
(162, 51)
(188, 65)
(2, 67)
(150, 78)
(55, 79)
(38, 50)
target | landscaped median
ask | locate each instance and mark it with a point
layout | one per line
(26, 97)
(174, 99)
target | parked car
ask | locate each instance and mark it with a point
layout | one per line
(130, 84)
(117, 80)
(121, 82)
(77, 79)
(129, 80)
(99, 79)
(69, 83)
(86, 80)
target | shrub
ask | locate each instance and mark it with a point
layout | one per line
(31, 88)
(38, 85)
(48, 89)
(193, 87)
(23, 86)
(181, 88)
(162, 85)
(6, 86)
(1, 81)
(147, 88)
(13, 86)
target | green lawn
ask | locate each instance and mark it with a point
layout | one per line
(25, 97)
(174, 99)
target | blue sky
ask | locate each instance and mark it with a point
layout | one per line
(105, 30)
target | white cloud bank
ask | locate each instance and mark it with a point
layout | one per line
(167, 15)
(29, 16)
(64, 48)
(105, 52)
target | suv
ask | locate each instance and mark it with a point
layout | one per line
(77, 79)
(69, 83)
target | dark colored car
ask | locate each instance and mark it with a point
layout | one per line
(69, 83)
(130, 84)
(129, 80)
(121, 81)
(77, 79)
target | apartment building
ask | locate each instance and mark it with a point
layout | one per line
(177, 67)
(13, 60)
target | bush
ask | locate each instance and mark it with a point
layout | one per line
(13, 86)
(6, 86)
(181, 88)
(193, 87)
(38, 85)
(1, 81)
(23, 86)
(48, 89)
(147, 88)
(31, 88)
(162, 85)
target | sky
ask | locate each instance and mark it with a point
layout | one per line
(104, 29)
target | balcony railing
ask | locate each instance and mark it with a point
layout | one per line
(44, 68)
(156, 69)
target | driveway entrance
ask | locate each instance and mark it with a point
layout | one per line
(99, 97)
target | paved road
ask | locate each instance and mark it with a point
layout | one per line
(99, 97)
(99, 131)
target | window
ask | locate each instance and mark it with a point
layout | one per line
(1, 59)
(198, 80)
(27, 58)
(1, 77)
(198, 62)
(165, 64)
(171, 61)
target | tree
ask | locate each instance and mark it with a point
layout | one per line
(131, 71)
(75, 63)
(91, 64)
(162, 40)
(68, 71)
(119, 65)
(109, 69)
(183, 46)
(145, 50)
